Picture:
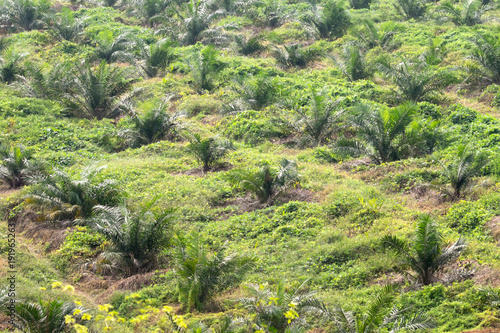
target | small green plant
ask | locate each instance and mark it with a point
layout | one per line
(268, 184)
(249, 45)
(352, 62)
(201, 275)
(426, 254)
(208, 151)
(467, 164)
(204, 64)
(65, 26)
(153, 126)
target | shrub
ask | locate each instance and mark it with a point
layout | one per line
(80, 245)
(253, 127)
(468, 217)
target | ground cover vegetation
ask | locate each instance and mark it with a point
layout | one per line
(250, 166)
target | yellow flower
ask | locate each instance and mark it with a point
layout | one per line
(56, 284)
(68, 319)
(43, 288)
(69, 288)
(168, 309)
(77, 312)
(78, 303)
(86, 316)
(80, 328)
(105, 307)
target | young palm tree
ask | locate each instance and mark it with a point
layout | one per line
(61, 196)
(209, 151)
(148, 10)
(378, 319)
(426, 254)
(23, 15)
(65, 26)
(330, 21)
(155, 125)
(16, 166)
(37, 83)
(279, 310)
(294, 55)
(269, 184)
(381, 132)
(256, 92)
(45, 317)
(414, 78)
(97, 93)
(470, 13)
(136, 238)
(317, 120)
(371, 36)
(195, 23)
(9, 64)
(485, 60)
(110, 48)
(155, 57)
(249, 45)
(460, 171)
(200, 275)
(410, 9)
(352, 62)
(204, 64)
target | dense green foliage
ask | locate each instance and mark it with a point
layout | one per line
(284, 144)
